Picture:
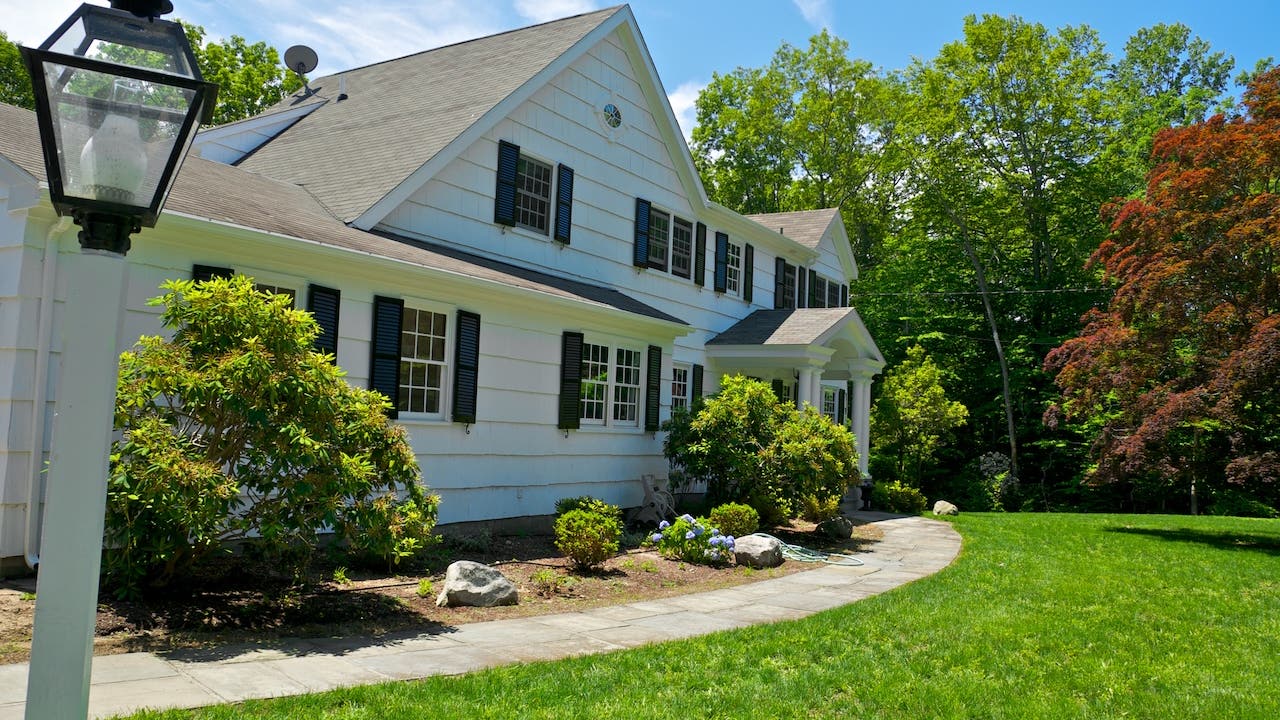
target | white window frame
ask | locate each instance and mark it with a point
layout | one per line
(603, 377)
(525, 195)
(594, 357)
(627, 396)
(686, 231)
(444, 363)
(733, 269)
(833, 300)
(660, 222)
(830, 399)
(681, 380)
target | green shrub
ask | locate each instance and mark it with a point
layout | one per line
(897, 498)
(235, 429)
(816, 509)
(735, 519)
(810, 455)
(1231, 502)
(693, 541)
(721, 443)
(587, 538)
(588, 503)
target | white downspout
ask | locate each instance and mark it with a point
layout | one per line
(39, 394)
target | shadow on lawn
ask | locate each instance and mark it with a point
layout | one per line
(1224, 540)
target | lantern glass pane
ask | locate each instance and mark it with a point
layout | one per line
(115, 134)
(118, 37)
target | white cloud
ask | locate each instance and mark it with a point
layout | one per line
(540, 11)
(683, 101)
(816, 12)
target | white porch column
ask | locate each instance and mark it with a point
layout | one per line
(862, 415)
(804, 393)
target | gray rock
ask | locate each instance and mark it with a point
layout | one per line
(838, 527)
(474, 584)
(758, 551)
(942, 507)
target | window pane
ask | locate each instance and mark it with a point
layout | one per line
(681, 247)
(734, 268)
(422, 366)
(659, 233)
(533, 194)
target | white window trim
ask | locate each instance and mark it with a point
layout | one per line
(733, 273)
(687, 369)
(612, 344)
(446, 378)
(550, 199)
(829, 392)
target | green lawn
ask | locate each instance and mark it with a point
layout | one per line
(1042, 616)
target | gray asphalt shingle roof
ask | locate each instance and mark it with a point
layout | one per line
(804, 226)
(804, 326)
(227, 194)
(398, 114)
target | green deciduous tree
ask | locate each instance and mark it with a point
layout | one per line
(15, 83)
(250, 76)
(913, 417)
(236, 430)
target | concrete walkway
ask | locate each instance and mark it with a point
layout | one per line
(912, 548)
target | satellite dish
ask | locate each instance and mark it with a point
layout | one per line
(301, 59)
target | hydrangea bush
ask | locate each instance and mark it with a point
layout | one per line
(693, 540)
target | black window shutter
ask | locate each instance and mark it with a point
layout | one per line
(779, 389)
(779, 283)
(640, 254)
(653, 389)
(504, 198)
(323, 303)
(700, 256)
(848, 399)
(802, 288)
(564, 203)
(209, 272)
(841, 400)
(384, 362)
(722, 262)
(570, 380)
(748, 270)
(844, 296)
(814, 300)
(466, 370)
(695, 385)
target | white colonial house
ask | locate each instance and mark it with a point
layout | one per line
(506, 236)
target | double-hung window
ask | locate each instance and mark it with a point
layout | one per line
(681, 247)
(679, 388)
(829, 402)
(659, 239)
(422, 361)
(595, 383)
(533, 194)
(626, 387)
(833, 294)
(733, 271)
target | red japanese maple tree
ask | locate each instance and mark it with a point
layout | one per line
(1177, 383)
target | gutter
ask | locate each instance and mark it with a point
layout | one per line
(40, 393)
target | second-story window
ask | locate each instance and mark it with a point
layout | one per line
(533, 194)
(681, 247)
(733, 272)
(659, 239)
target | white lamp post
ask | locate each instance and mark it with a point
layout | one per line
(118, 100)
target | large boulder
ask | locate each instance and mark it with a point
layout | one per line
(758, 551)
(942, 507)
(838, 527)
(475, 584)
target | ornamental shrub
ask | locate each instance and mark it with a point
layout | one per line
(735, 519)
(897, 498)
(816, 509)
(810, 456)
(586, 502)
(587, 538)
(721, 443)
(237, 430)
(693, 541)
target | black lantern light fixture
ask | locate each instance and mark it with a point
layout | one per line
(118, 100)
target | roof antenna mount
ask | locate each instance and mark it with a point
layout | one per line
(302, 60)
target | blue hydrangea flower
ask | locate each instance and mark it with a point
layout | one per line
(698, 530)
(664, 525)
(715, 532)
(687, 518)
(689, 535)
(657, 537)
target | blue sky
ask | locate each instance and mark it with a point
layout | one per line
(688, 39)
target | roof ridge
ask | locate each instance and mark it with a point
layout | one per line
(607, 12)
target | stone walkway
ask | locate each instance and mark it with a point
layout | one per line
(912, 548)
